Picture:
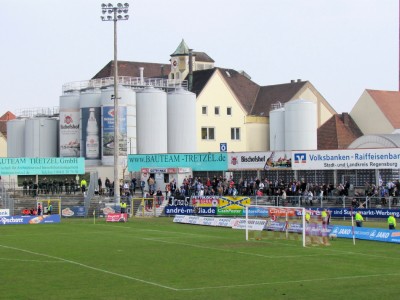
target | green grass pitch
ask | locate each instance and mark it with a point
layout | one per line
(157, 259)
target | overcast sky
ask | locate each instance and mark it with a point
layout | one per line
(341, 46)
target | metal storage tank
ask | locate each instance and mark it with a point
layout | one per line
(90, 120)
(70, 139)
(127, 124)
(41, 137)
(277, 129)
(181, 120)
(300, 125)
(16, 138)
(151, 116)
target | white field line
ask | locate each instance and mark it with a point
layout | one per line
(289, 281)
(31, 260)
(90, 267)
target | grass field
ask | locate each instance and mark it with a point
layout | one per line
(157, 259)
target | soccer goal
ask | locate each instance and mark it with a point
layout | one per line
(282, 222)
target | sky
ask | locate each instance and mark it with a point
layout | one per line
(341, 46)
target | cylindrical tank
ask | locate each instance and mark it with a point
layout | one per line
(277, 129)
(151, 116)
(90, 101)
(69, 125)
(181, 120)
(126, 121)
(300, 125)
(41, 137)
(16, 138)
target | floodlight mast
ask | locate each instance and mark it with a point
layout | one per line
(115, 13)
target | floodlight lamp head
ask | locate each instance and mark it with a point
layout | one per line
(119, 5)
(119, 17)
(109, 18)
(110, 5)
(119, 11)
(103, 11)
(126, 17)
(125, 11)
(110, 11)
(126, 5)
(102, 18)
(103, 5)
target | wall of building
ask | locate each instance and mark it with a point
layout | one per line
(376, 122)
(257, 132)
(217, 93)
(3, 146)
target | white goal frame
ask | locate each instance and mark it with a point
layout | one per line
(279, 210)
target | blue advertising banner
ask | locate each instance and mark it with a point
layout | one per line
(211, 161)
(364, 233)
(73, 211)
(190, 210)
(17, 220)
(42, 165)
(337, 212)
(108, 130)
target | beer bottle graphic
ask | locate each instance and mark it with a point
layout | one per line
(92, 136)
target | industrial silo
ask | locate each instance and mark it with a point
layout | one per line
(16, 138)
(126, 121)
(300, 125)
(181, 120)
(70, 125)
(277, 129)
(151, 116)
(90, 102)
(41, 137)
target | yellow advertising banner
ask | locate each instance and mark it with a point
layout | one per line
(230, 202)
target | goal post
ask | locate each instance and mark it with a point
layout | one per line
(283, 220)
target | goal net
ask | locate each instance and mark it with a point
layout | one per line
(280, 222)
(284, 222)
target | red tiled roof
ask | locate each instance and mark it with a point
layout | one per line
(3, 122)
(389, 104)
(338, 132)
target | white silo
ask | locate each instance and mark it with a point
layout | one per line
(127, 123)
(90, 120)
(181, 120)
(41, 137)
(277, 129)
(70, 140)
(151, 116)
(300, 125)
(16, 138)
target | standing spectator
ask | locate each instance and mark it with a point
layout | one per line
(100, 184)
(359, 219)
(49, 208)
(142, 185)
(324, 232)
(25, 187)
(391, 222)
(133, 185)
(39, 209)
(123, 207)
(83, 185)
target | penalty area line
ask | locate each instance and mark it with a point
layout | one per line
(91, 268)
(289, 281)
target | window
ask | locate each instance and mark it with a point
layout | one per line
(229, 111)
(235, 133)
(216, 110)
(207, 133)
(204, 110)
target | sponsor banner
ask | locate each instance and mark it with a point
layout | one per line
(257, 211)
(205, 201)
(252, 224)
(282, 212)
(364, 233)
(230, 212)
(108, 130)
(73, 211)
(17, 220)
(117, 217)
(233, 203)
(211, 221)
(386, 158)
(189, 210)
(337, 212)
(4, 212)
(211, 161)
(42, 165)
(259, 160)
(69, 133)
(179, 210)
(90, 134)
